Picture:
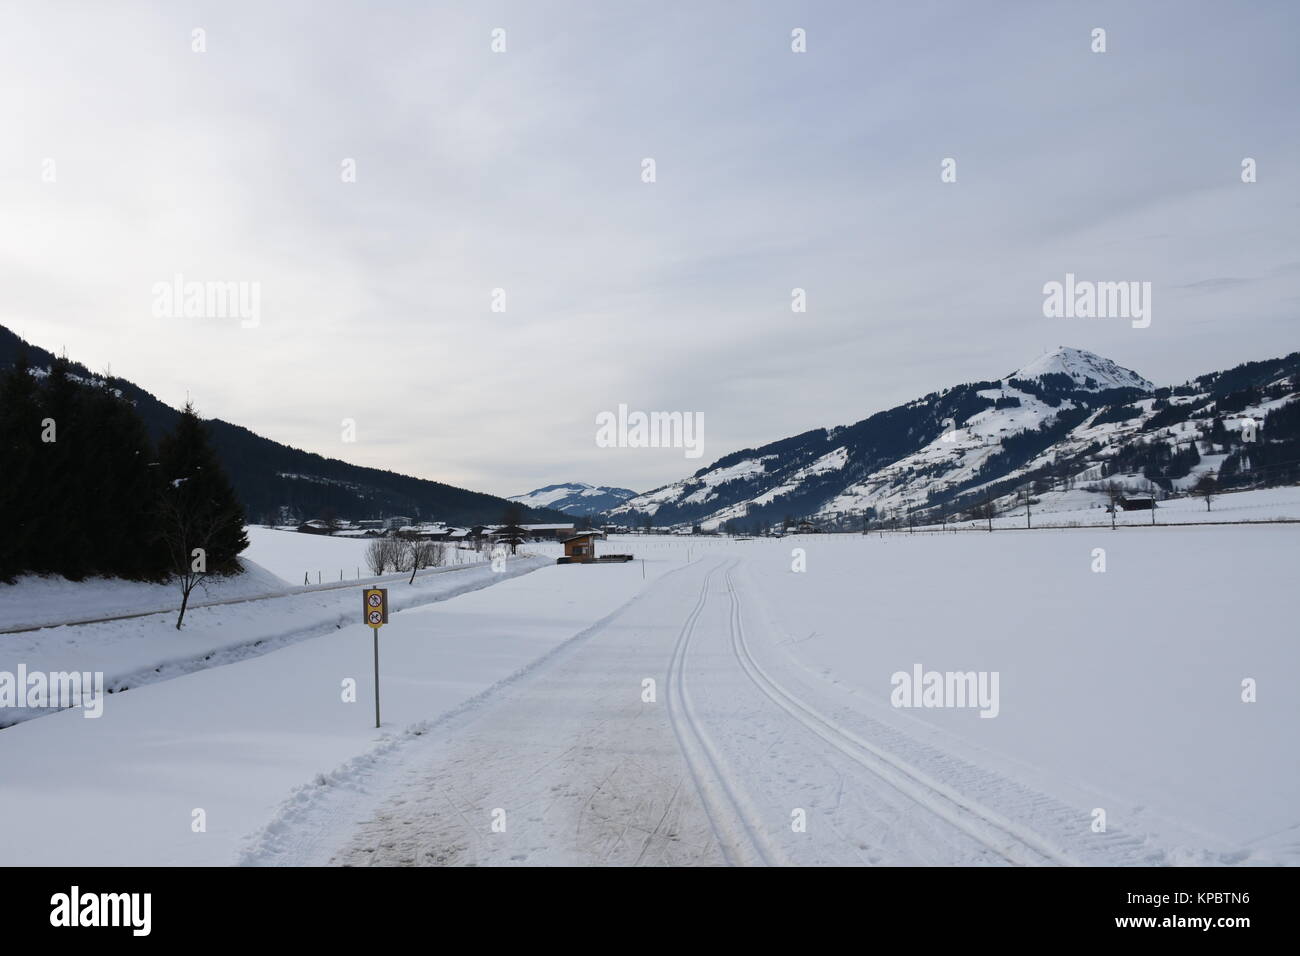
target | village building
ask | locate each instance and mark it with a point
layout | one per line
(549, 532)
(1137, 503)
(581, 548)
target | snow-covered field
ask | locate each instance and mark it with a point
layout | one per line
(276, 562)
(1087, 509)
(144, 650)
(236, 741)
(715, 705)
(1119, 690)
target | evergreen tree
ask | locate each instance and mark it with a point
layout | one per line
(195, 483)
(20, 426)
(124, 523)
(201, 522)
(61, 543)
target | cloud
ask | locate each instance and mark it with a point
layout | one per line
(521, 171)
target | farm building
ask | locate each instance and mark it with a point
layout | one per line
(1138, 503)
(548, 532)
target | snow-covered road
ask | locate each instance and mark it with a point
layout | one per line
(577, 766)
(748, 755)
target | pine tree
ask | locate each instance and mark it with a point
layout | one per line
(124, 511)
(20, 427)
(62, 543)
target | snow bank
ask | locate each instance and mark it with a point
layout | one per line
(144, 650)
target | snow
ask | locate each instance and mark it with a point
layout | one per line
(1081, 365)
(33, 600)
(775, 697)
(144, 650)
(1082, 508)
(545, 497)
(569, 495)
(275, 563)
(291, 554)
(237, 740)
(1120, 689)
(772, 697)
(696, 490)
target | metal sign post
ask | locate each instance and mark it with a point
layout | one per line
(374, 612)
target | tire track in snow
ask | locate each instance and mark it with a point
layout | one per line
(1012, 843)
(727, 810)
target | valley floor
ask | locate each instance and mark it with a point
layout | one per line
(716, 706)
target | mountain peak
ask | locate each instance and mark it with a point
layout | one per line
(1088, 370)
(576, 498)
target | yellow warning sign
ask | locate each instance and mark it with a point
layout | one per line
(375, 606)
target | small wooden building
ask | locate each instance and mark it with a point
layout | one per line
(581, 547)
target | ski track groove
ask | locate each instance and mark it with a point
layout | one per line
(739, 842)
(1004, 838)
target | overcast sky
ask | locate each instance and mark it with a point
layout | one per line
(522, 171)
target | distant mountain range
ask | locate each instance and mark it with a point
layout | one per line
(1068, 419)
(575, 498)
(277, 482)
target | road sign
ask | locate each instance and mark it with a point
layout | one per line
(375, 606)
(374, 613)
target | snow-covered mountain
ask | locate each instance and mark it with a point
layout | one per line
(576, 498)
(1068, 419)
(1090, 372)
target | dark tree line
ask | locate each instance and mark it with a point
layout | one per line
(84, 492)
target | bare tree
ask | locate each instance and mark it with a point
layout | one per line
(188, 534)
(423, 554)
(1206, 487)
(377, 556)
(385, 554)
